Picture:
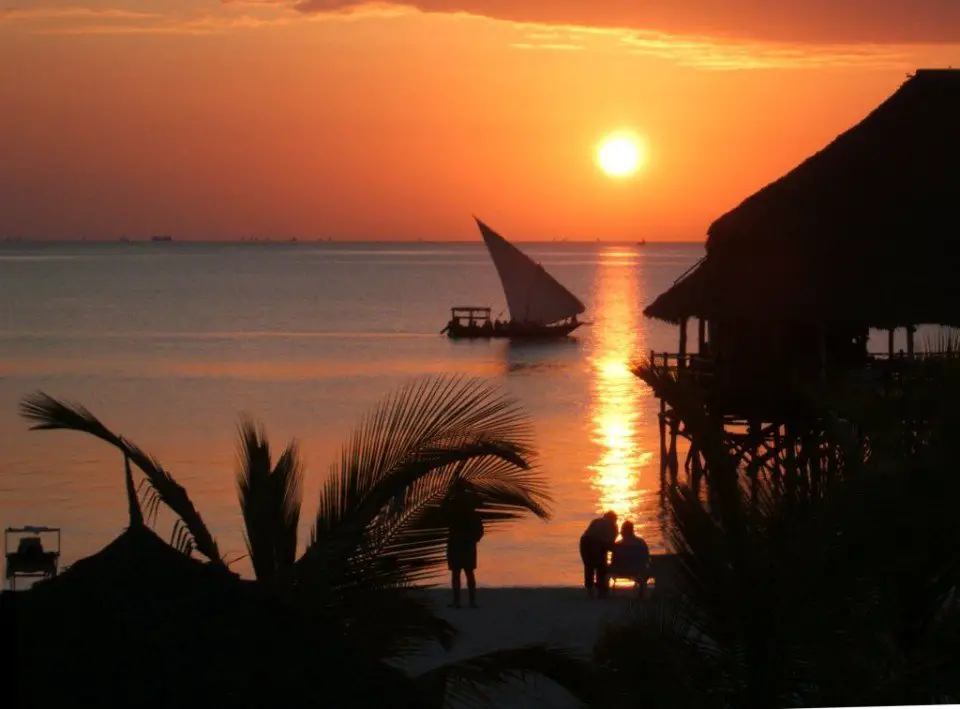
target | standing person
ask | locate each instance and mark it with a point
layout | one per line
(594, 545)
(464, 531)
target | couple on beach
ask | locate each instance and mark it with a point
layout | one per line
(630, 556)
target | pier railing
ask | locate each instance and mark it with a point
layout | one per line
(916, 356)
(687, 366)
(703, 369)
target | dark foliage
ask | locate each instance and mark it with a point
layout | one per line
(837, 594)
(323, 623)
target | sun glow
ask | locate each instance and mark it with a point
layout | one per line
(620, 154)
(618, 426)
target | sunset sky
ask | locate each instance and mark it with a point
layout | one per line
(331, 118)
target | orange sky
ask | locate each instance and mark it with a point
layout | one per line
(204, 119)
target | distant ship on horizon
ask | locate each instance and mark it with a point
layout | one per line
(162, 237)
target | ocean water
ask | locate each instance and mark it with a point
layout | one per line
(169, 343)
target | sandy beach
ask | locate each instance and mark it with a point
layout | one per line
(512, 617)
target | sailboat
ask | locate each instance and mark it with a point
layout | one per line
(540, 307)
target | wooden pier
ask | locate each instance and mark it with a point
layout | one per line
(769, 434)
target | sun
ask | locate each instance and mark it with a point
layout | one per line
(620, 154)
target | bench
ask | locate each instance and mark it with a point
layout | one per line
(660, 568)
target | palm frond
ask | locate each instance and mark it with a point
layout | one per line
(48, 413)
(658, 657)
(379, 506)
(800, 602)
(133, 503)
(181, 539)
(944, 342)
(394, 623)
(441, 414)
(467, 682)
(270, 499)
(149, 501)
(411, 533)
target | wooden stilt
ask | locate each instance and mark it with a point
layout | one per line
(663, 442)
(682, 355)
(774, 440)
(696, 474)
(777, 470)
(674, 460)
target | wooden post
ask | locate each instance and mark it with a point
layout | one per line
(681, 360)
(890, 341)
(674, 460)
(663, 442)
(778, 462)
(910, 330)
(697, 467)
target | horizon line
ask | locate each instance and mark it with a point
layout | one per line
(291, 241)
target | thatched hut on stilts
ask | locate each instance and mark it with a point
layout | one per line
(859, 236)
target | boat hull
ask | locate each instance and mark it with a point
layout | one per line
(512, 331)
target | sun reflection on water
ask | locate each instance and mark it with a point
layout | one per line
(616, 409)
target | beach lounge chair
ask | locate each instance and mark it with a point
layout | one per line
(626, 565)
(30, 559)
(660, 568)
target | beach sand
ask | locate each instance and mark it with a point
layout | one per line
(512, 617)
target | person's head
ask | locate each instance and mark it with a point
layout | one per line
(610, 516)
(627, 530)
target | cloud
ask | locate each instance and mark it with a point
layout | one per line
(832, 22)
(206, 25)
(710, 53)
(256, 3)
(554, 47)
(235, 15)
(196, 26)
(710, 34)
(705, 53)
(80, 20)
(46, 14)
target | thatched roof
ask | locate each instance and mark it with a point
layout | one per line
(138, 561)
(860, 231)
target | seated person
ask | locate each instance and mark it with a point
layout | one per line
(631, 555)
(30, 548)
(30, 557)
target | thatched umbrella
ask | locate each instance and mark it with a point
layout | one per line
(860, 232)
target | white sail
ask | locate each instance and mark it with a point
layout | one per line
(533, 295)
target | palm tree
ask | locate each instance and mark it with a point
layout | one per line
(801, 595)
(380, 528)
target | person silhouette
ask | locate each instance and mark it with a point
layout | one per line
(631, 557)
(465, 530)
(596, 541)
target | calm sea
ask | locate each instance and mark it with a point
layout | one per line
(169, 343)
